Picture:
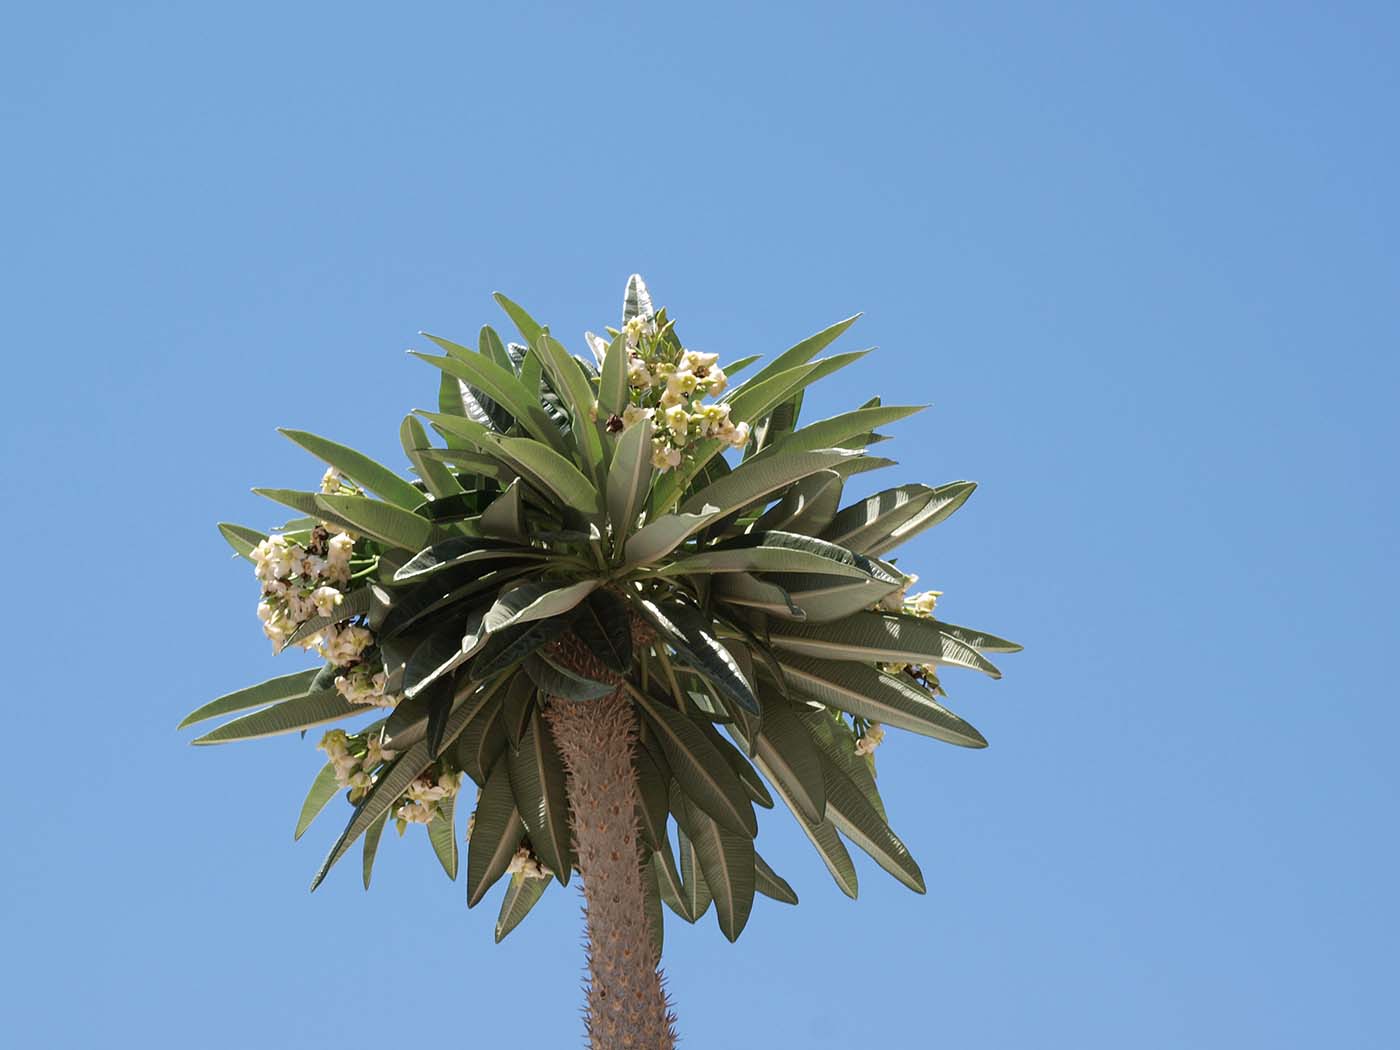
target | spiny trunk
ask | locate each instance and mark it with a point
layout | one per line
(627, 1005)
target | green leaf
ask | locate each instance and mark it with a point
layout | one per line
(629, 480)
(372, 837)
(761, 477)
(698, 766)
(355, 603)
(779, 552)
(870, 522)
(880, 697)
(438, 479)
(652, 793)
(489, 345)
(807, 506)
(637, 300)
(739, 588)
(612, 386)
(537, 783)
(822, 834)
(502, 387)
(695, 894)
(505, 517)
(804, 351)
(566, 377)
(496, 834)
(284, 687)
(833, 736)
(241, 538)
(550, 472)
(521, 895)
(604, 626)
(769, 883)
(302, 712)
(509, 645)
(979, 640)
(555, 680)
(536, 600)
(789, 756)
(530, 329)
(467, 432)
(834, 432)
(747, 775)
(442, 833)
(359, 468)
(305, 502)
(727, 861)
(872, 637)
(658, 538)
(855, 818)
(671, 883)
(323, 789)
(946, 499)
(823, 598)
(461, 550)
(687, 632)
(381, 521)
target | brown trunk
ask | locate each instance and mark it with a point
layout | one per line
(627, 1007)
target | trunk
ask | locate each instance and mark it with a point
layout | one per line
(627, 1005)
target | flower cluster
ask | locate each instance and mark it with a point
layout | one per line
(667, 385)
(527, 865)
(356, 759)
(300, 583)
(420, 803)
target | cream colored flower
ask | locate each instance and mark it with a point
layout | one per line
(525, 864)
(694, 360)
(682, 382)
(740, 436)
(663, 457)
(330, 481)
(924, 604)
(417, 812)
(677, 421)
(872, 739)
(326, 599)
(634, 414)
(376, 752)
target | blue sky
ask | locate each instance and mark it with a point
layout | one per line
(1141, 259)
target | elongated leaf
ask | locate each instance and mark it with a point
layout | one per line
(766, 557)
(748, 776)
(629, 480)
(538, 785)
(359, 468)
(687, 632)
(284, 687)
(521, 895)
(314, 709)
(726, 859)
(502, 387)
(536, 600)
(698, 766)
(979, 640)
(496, 833)
(555, 680)
(653, 806)
(381, 521)
(637, 300)
(466, 431)
(804, 351)
(612, 386)
(530, 329)
(837, 431)
(760, 477)
(855, 818)
(442, 833)
(671, 883)
(355, 603)
(870, 522)
(872, 637)
(877, 696)
(740, 588)
(307, 503)
(509, 645)
(371, 848)
(807, 506)
(566, 377)
(461, 550)
(695, 894)
(789, 756)
(835, 739)
(323, 789)
(946, 499)
(554, 475)
(769, 883)
(241, 538)
(823, 598)
(604, 625)
(660, 537)
(823, 837)
(437, 478)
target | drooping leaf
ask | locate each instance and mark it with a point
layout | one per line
(769, 883)
(371, 846)
(505, 517)
(442, 833)
(789, 756)
(855, 818)
(824, 838)
(979, 640)
(671, 883)
(726, 859)
(550, 472)
(381, 521)
(521, 895)
(496, 833)
(653, 797)
(323, 789)
(604, 626)
(556, 680)
(687, 632)
(873, 637)
(741, 588)
(538, 786)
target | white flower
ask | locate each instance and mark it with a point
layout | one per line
(326, 599)
(426, 789)
(695, 360)
(598, 345)
(740, 436)
(664, 457)
(633, 414)
(525, 864)
(417, 812)
(677, 420)
(924, 604)
(344, 645)
(717, 381)
(377, 752)
(872, 739)
(638, 375)
(682, 382)
(672, 399)
(339, 548)
(264, 611)
(330, 481)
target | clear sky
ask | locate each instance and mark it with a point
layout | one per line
(1142, 260)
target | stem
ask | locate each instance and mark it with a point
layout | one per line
(627, 1005)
